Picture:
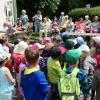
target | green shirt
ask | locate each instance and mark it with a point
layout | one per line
(54, 70)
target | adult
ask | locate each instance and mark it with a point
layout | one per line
(66, 20)
(44, 28)
(61, 19)
(80, 26)
(55, 26)
(9, 18)
(24, 19)
(37, 19)
(70, 26)
(95, 26)
(87, 23)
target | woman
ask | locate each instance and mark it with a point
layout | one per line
(24, 19)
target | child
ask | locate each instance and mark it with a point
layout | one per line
(6, 80)
(18, 58)
(87, 60)
(54, 69)
(33, 82)
(72, 59)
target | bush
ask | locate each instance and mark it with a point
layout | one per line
(81, 12)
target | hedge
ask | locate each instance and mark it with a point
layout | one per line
(81, 12)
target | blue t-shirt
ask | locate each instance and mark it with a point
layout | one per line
(34, 85)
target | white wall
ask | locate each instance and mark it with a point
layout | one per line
(2, 12)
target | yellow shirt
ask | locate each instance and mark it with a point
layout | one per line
(54, 70)
(30, 70)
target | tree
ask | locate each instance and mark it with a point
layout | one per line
(46, 6)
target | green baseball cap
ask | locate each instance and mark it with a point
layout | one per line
(72, 56)
(69, 44)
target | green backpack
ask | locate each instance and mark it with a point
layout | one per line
(69, 87)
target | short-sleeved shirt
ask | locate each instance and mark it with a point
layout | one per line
(54, 70)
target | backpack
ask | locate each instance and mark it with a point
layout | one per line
(69, 87)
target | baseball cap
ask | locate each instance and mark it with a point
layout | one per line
(72, 56)
(69, 44)
(37, 46)
(65, 36)
(47, 40)
(84, 48)
(80, 41)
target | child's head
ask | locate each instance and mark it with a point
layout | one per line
(85, 51)
(25, 38)
(57, 41)
(38, 47)
(72, 57)
(55, 52)
(69, 44)
(31, 56)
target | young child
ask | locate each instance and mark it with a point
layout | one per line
(33, 82)
(87, 60)
(54, 69)
(6, 80)
(72, 59)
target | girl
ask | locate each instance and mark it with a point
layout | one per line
(6, 80)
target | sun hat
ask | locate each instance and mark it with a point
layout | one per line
(6, 50)
(3, 55)
(72, 56)
(69, 44)
(37, 46)
(20, 47)
(84, 48)
(96, 39)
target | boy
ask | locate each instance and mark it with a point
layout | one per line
(33, 82)
(54, 69)
(72, 59)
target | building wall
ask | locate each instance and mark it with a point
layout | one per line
(2, 12)
(5, 7)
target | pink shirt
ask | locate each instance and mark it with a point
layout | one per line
(97, 57)
(81, 26)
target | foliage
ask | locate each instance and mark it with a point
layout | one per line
(76, 4)
(46, 6)
(81, 12)
(52, 7)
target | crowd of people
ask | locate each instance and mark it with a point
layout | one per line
(65, 23)
(60, 67)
